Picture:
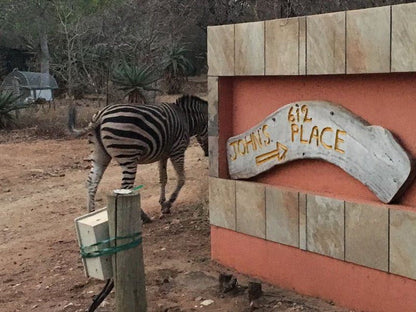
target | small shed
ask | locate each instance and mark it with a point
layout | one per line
(30, 85)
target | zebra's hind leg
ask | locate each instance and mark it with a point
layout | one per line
(178, 165)
(129, 175)
(163, 179)
(99, 163)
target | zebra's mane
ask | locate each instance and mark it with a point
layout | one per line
(192, 105)
(190, 99)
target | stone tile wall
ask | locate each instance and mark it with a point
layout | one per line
(249, 49)
(220, 47)
(380, 237)
(368, 41)
(282, 59)
(366, 229)
(402, 243)
(326, 44)
(375, 40)
(403, 38)
(282, 216)
(325, 226)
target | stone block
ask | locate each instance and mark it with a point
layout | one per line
(403, 45)
(326, 44)
(282, 46)
(220, 46)
(325, 226)
(368, 41)
(251, 208)
(302, 45)
(302, 221)
(403, 243)
(222, 203)
(282, 216)
(212, 105)
(367, 235)
(249, 49)
(213, 156)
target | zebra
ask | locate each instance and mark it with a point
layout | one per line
(143, 134)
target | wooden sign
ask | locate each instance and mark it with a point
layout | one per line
(322, 130)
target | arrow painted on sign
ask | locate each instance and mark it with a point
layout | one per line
(279, 153)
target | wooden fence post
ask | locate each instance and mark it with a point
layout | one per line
(129, 281)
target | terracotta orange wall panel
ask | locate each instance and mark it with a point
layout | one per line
(225, 119)
(315, 275)
(388, 100)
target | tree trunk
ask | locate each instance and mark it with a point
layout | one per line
(44, 50)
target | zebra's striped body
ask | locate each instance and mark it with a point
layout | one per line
(144, 134)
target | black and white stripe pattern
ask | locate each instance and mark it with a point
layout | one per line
(144, 134)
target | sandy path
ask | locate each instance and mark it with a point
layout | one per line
(42, 191)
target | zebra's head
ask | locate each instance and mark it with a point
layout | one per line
(196, 111)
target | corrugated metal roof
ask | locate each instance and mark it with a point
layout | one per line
(32, 80)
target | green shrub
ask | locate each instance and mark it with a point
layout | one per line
(8, 105)
(134, 80)
(177, 66)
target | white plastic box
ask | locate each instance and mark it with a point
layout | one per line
(92, 228)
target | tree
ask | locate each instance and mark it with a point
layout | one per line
(177, 66)
(74, 28)
(80, 41)
(38, 25)
(17, 19)
(134, 80)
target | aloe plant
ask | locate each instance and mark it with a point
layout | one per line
(134, 80)
(8, 104)
(177, 66)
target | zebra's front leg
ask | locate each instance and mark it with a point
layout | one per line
(163, 179)
(127, 182)
(178, 165)
(98, 166)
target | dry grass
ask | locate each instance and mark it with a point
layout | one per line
(48, 121)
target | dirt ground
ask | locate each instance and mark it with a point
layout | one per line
(42, 191)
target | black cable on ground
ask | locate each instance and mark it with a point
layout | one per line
(102, 295)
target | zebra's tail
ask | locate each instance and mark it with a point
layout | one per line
(72, 114)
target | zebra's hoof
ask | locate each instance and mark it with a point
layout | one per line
(146, 220)
(166, 211)
(166, 207)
